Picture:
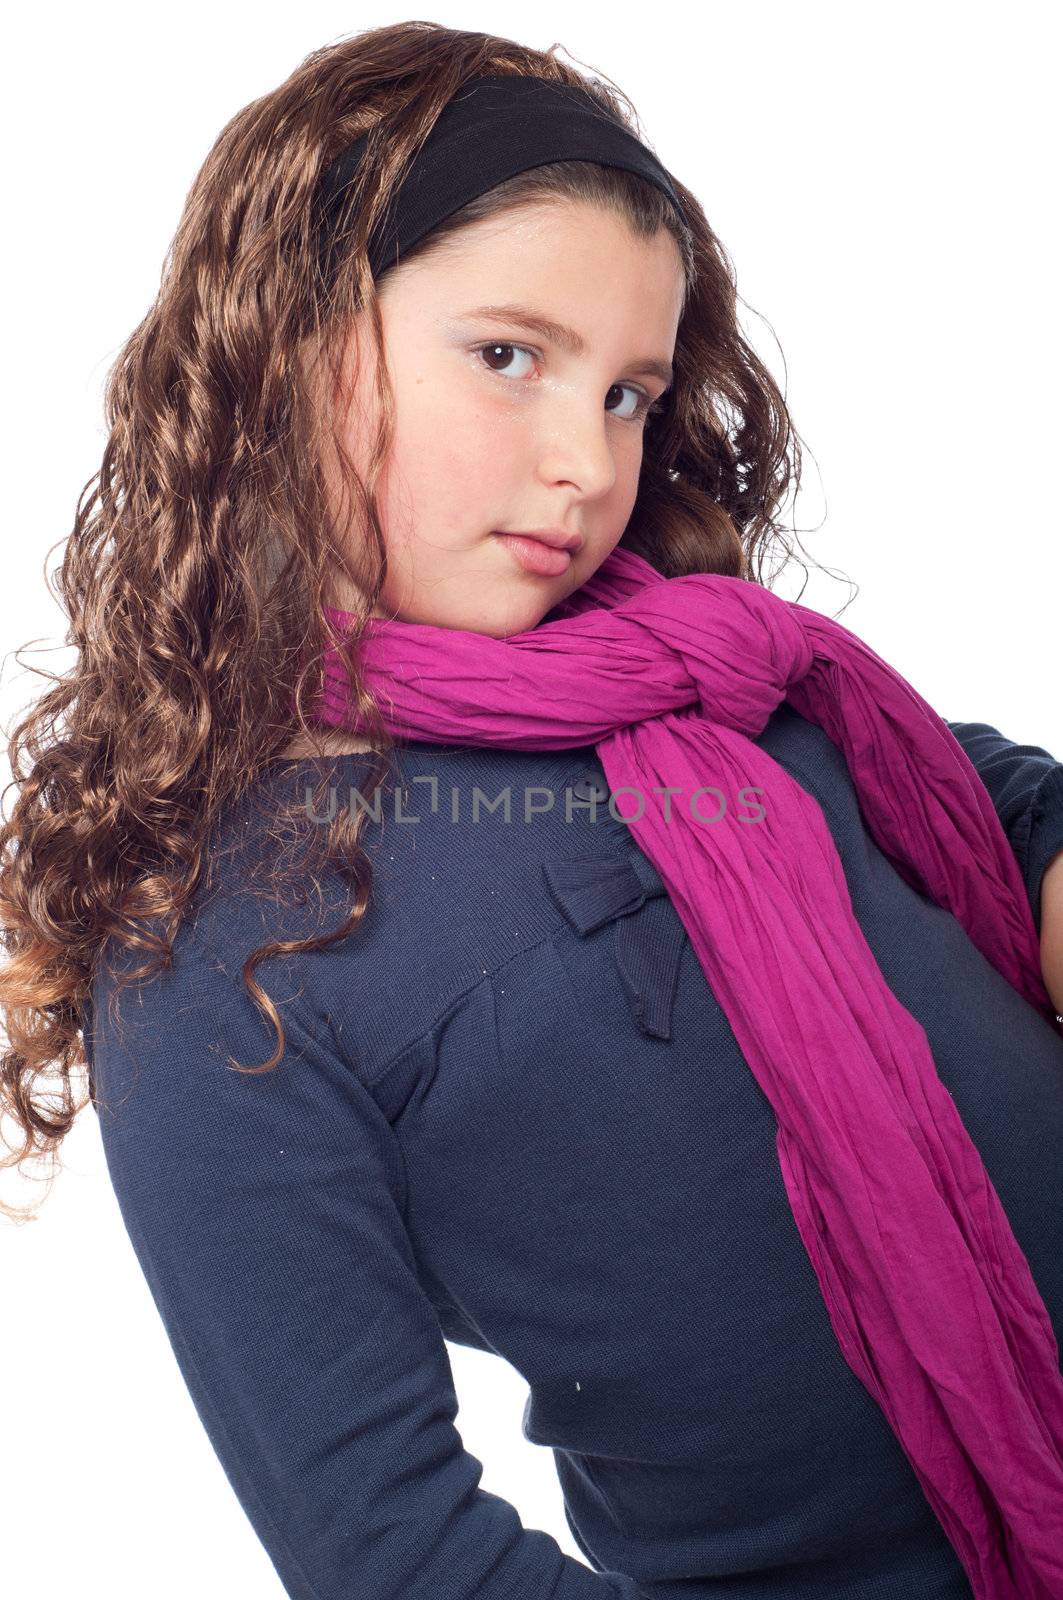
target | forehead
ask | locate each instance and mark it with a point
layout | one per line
(535, 241)
(559, 271)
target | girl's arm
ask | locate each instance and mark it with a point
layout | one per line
(1025, 783)
(267, 1214)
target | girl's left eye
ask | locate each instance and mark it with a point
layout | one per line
(645, 407)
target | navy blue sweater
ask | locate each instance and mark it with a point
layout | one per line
(513, 1115)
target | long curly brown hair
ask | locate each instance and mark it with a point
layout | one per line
(203, 550)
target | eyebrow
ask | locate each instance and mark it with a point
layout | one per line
(559, 334)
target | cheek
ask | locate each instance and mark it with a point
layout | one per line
(445, 488)
(452, 442)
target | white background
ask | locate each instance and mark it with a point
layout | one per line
(885, 178)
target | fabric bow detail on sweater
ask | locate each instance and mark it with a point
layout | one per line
(592, 890)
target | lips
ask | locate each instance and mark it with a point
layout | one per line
(535, 555)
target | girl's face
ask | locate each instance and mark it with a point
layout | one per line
(503, 427)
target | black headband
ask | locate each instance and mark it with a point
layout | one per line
(493, 128)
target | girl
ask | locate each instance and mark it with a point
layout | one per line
(417, 538)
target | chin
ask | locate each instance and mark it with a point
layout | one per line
(507, 630)
(506, 619)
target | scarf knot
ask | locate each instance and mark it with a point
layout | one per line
(742, 646)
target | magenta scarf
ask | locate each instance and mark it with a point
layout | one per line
(927, 1289)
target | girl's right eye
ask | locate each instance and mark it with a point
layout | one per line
(497, 345)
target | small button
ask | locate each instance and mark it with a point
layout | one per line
(591, 787)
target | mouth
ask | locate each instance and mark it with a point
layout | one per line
(535, 555)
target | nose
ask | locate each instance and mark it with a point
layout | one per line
(576, 447)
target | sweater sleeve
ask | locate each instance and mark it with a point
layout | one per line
(1025, 784)
(266, 1213)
